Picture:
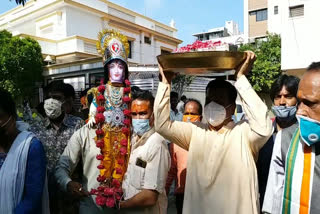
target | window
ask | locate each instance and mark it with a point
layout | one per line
(276, 10)
(130, 50)
(253, 13)
(296, 11)
(147, 40)
(262, 15)
(78, 83)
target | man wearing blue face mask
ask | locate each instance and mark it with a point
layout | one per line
(283, 93)
(145, 179)
(298, 157)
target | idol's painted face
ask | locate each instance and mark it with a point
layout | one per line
(116, 71)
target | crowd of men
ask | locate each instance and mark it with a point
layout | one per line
(218, 164)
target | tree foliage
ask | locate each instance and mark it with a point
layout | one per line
(20, 1)
(20, 64)
(267, 66)
(181, 82)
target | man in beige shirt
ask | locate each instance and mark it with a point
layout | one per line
(145, 179)
(222, 176)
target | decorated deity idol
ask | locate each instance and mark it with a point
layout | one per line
(109, 112)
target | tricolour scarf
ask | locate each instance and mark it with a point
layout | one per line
(299, 171)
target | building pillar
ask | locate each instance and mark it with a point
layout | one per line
(154, 49)
(141, 47)
(87, 80)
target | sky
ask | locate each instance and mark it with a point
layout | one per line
(190, 16)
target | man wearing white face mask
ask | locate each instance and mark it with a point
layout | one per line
(283, 93)
(54, 132)
(222, 176)
(144, 181)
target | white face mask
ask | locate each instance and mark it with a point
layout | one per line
(215, 114)
(53, 108)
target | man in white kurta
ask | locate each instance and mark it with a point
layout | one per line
(222, 176)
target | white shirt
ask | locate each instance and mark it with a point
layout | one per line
(175, 116)
(180, 107)
(153, 150)
(274, 190)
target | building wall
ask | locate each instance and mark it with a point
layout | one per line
(246, 20)
(257, 29)
(252, 28)
(275, 20)
(52, 27)
(82, 23)
(257, 4)
(299, 35)
(67, 30)
(27, 27)
(232, 27)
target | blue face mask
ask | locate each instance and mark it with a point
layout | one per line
(309, 130)
(140, 126)
(285, 113)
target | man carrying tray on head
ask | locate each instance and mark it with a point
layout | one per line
(222, 176)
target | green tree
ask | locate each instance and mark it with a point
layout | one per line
(181, 82)
(20, 1)
(267, 66)
(20, 64)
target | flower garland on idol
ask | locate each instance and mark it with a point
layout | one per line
(113, 123)
(114, 150)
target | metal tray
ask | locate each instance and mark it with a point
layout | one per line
(201, 62)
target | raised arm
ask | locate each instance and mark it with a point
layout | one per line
(260, 125)
(177, 132)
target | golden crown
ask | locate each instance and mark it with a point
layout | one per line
(113, 45)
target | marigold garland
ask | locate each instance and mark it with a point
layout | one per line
(115, 151)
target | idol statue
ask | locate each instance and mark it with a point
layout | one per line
(109, 113)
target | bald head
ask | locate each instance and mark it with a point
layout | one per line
(309, 94)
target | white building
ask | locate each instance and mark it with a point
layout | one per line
(67, 31)
(297, 23)
(229, 34)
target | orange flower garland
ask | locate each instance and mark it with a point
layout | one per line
(114, 144)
